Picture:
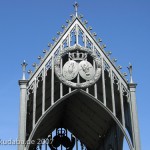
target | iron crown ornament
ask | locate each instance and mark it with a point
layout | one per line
(77, 66)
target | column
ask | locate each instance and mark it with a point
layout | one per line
(52, 81)
(103, 83)
(43, 92)
(122, 105)
(77, 39)
(112, 92)
(23, 111)
(134, 116)
(34, 103)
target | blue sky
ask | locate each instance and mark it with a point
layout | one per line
(26, 26)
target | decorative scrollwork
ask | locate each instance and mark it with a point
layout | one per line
(30, 88)
(89, 44)
(125, 92)
(48, 65)
(61, 138)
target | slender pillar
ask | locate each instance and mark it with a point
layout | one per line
(52, 82)
(103, 83)
(23, 111)
(85, 40)
(112, 92)
(77, 38)
(95, 85)
(69, 56)
(43, 92)
(34, 103)
(69, 41)
(61, 85)
(61, 67)
(134, 116)
(122, 105)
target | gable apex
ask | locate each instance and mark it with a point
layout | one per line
(77, 33)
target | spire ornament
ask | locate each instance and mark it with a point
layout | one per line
(130, 72)
(24, 64)
(76, 5)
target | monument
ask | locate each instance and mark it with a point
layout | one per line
(77, 98)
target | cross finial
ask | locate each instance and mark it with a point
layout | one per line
(76, 5)
(130, 72)
(24, 64)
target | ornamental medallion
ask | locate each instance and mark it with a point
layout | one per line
(86, 70)
(70, 70)
(77, 67)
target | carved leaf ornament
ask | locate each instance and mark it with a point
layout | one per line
(77, 67)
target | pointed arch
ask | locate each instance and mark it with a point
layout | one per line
(85, 116)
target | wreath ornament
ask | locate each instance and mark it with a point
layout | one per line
(78, 71)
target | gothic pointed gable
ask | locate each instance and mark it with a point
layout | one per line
(76, 33)
(78, 87)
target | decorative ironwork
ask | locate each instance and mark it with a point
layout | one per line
(61, 139)
(79, 67)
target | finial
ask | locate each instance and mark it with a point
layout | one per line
(114, 60)
(130, 72)
(108, 53)
(50, 45)
(89, 28)
(39, 58)
(99, 40)
(119, 67)
(24, 64)
(76, 5)
(81, 16)
(35, 65)
(68, 21)
(124, 74)
(94, 34)
(63, 27)
(103, 46)
(54, 39)
(58, 33)
(30, 72)
(85, 22)
(44, 51)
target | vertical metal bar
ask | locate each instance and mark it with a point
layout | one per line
(61, 85)
(85, 40)
(112, 92)
(69, 59)
(95, 85)
(103, 83)
(77, 38)
(52, 81)
(69, 56)
(87, 89)
(43, 92)
(69, 41)
(122, 105)
(61, 64)
(34, 102)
